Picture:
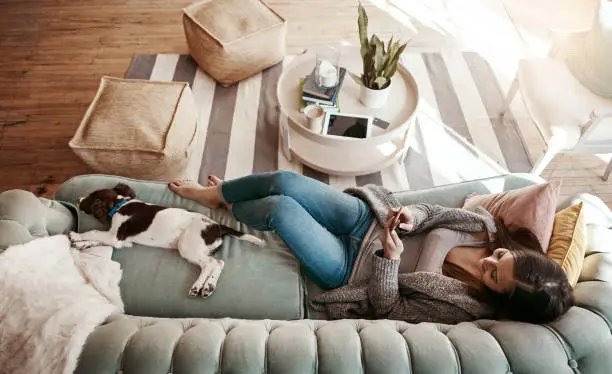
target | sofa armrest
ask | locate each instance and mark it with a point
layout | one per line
(596, 212)
(23, 217)
(595, 296)
(597, 267)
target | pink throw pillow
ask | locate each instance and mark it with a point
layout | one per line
(530, 207)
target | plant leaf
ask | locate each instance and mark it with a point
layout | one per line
(356, 78)
(377, 42)
(362, 23)
(385, 63)
(379, 57)
(370, 71)
(391, 53)
(393, 67)
(376, 47)
(400, 51)
(380, 82)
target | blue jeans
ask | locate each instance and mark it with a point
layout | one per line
(323, 227)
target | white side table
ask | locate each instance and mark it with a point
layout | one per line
(347, 156)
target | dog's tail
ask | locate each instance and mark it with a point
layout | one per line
(226, 230)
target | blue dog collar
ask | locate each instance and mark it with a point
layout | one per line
(116, 207)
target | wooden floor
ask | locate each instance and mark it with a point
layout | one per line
(53, 53)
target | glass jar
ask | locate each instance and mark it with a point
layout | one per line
(327, 67)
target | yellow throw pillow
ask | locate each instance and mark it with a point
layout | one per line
(569, 241)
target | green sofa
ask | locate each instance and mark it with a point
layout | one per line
(258, 320)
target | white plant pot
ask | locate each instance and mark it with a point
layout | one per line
(374, 98)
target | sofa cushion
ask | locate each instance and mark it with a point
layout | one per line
(569, 241)
(530, 207)
(256, 282)
(597, 264)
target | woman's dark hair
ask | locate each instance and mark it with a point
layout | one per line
(542, 292)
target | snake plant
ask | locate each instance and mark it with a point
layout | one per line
(379, 62)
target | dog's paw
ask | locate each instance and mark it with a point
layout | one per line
(194, 291)
(74, 237)
(85, 244)
(211, 282)
(207, 290)
(77, 242)
(80, 246)
(123, 244)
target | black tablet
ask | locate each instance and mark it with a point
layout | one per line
(347, 125)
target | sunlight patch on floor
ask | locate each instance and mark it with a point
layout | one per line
(482, 26)
(428, 13)
(451, 158)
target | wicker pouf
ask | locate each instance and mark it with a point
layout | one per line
(138, 129)
(234, 39)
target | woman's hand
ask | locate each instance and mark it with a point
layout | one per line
(400, 217)
(392, 245)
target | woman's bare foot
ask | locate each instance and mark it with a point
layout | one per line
(214, 181)
(207, 196)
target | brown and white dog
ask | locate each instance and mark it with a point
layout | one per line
(194, 235)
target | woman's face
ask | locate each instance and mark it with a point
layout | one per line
(498, 271)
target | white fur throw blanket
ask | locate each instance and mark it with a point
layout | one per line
(53, 296)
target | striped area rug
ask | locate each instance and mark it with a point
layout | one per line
(458, 135)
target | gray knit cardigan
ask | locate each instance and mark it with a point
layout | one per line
(412, 297)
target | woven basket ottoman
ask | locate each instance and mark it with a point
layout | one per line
(140, 129)
(234, 39)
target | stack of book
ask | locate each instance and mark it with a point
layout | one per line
(327, 98)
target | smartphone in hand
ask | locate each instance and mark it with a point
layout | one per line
(396, 220)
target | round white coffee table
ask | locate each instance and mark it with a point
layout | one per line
(347, 156)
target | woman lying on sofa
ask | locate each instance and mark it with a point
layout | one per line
(445, 265)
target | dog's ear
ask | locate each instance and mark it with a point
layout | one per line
(84, 204)
(125, 190)
(99, 210)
